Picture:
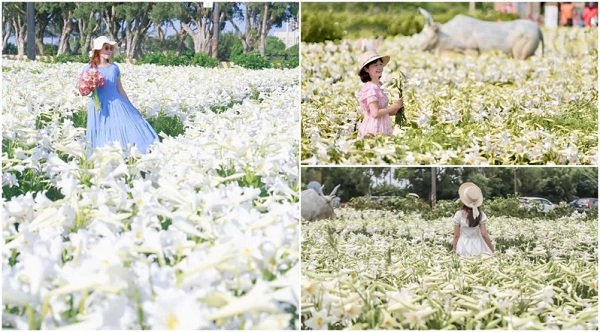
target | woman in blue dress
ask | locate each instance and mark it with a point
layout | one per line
(116, 119)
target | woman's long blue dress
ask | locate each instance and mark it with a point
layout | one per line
(117, 119)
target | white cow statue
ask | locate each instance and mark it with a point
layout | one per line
(464, 34)
(315, 205)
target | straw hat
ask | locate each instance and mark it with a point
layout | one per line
(371, 56)
(100, 41)
(470, 195)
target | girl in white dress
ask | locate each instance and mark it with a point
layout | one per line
(470, 234)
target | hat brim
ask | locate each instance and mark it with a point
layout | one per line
(384, 58)
(463, 197)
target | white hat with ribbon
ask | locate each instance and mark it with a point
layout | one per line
(471, 196)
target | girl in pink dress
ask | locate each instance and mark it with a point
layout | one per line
(373, 100)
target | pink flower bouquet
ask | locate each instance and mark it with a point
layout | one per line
(89, 81)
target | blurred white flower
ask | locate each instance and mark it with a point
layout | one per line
(175, 310)
(318, 320)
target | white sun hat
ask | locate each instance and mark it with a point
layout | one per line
(372, 56)
(471, 196)
(99, 42)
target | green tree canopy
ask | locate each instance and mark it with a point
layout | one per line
(554, 183)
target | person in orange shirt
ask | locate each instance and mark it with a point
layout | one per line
(590, 12)
(566, 14)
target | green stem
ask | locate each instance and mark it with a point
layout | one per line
(96, 100)
(140, 311)
(82, 303)
(31, 318)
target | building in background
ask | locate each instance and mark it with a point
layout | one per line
(291, 35)
(548, 15)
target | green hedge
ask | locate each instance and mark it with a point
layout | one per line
(250, 60)
(173, 59)
(500, 207)
(319, 26)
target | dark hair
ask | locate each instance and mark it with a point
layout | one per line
(364, 76)
(473, 222)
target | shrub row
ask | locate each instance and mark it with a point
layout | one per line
(249, 60)
(500, 207)
(320, 25)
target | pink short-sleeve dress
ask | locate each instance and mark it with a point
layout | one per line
(369, 93)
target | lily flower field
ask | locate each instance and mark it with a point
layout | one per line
(199, 233)
(374, 269)
(461, 110)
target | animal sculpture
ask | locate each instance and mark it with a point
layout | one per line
(464, 34)
(315, 206)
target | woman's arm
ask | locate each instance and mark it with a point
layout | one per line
(377, 112)
(486, 237)
(121, 90)
(456, 236)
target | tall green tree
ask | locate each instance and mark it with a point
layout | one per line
(217, 17)
(275, 46)
(354, 182)
(585, 180)
(112, 22)
(6, 27)
(273, 15)
(88, 19)
(493, 181)
(248, 13)
(197, 21)
(229, 46)
(259, 18)
(65, 23)
(137, 19)
(420, 180)
(161, 16)
(165, 14)
(15, 15)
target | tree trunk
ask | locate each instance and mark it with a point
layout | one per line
(202, 37)
(248, 21)
(515, 180)
(39, 37)
(110, 21)
(128, 43)
(216, 28)
(471, 8)
(63, 43)
(39, 45)
(20, 35)
(6, 28)
(247, 38)
(367, 184)
(263, 30)
(239, 34)
(85, 36)
(6, 35)
(315, 174)
(432, 196)
(136, 28)
(137, 44)
(180, 39)
(161, 37)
